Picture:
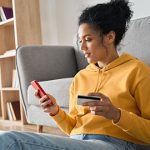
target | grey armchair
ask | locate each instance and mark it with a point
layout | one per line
(54, 67)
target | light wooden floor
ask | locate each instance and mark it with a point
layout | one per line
(7, 125)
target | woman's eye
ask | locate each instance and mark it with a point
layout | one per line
(88, 40)
(85, 40)
(80, 41)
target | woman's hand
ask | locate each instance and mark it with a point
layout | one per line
(103, 107)
(48, 104)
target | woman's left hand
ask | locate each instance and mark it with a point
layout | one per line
(103, 107)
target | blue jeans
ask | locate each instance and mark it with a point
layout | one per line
(32, 141)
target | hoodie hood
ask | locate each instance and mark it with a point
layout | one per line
(117, 62)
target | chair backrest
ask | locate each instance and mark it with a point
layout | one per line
(137, 39)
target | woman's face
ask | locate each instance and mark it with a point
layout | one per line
(91, 44)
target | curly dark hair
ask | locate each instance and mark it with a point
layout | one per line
(112, 16)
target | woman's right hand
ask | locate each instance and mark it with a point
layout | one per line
(48, 104)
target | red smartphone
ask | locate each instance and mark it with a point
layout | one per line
(38, 87)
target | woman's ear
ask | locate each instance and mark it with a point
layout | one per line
(110, 38)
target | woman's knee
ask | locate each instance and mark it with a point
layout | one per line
(8, 139)
(6, 135)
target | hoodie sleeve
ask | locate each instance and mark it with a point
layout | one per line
(134, 125)
(67, 121)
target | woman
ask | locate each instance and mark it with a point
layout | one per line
(120, 118)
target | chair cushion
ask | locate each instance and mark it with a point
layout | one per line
(35, 115)
(58, 88)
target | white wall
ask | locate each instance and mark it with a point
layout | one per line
(59, 18)
(141, 8)
(48, 22)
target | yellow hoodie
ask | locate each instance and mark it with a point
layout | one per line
(126, 81)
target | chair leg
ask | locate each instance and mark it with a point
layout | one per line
(39, 128)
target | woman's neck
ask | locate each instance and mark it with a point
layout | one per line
(109, 59)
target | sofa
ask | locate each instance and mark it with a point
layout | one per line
(55, 66)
